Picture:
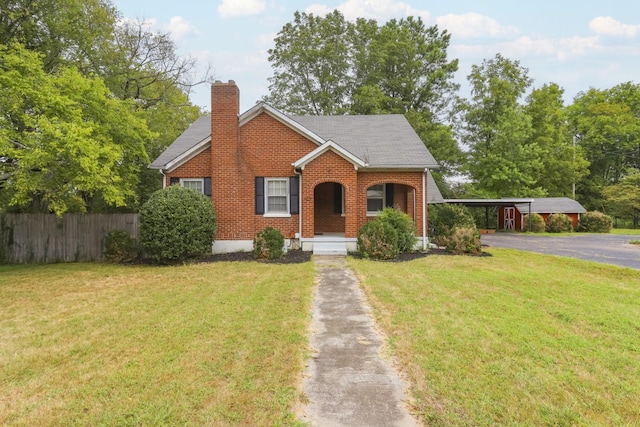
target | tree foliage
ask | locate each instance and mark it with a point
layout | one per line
(63, 137)
(563, 161)
(607, 125)
(134, 81)
(328, 65)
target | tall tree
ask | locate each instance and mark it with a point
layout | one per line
(607, 125)
(327, 65)
(135, 62)
(63, 137)
(563, 160)
(503, 161)
(312, 65)
(63, 31)
(624, 197)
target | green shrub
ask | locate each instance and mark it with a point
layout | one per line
(595, 222)
(378, 240)
(559, 223)
(464, 241)
(120, 247)
(177, 224)
(445, 218)
(404, 226)
(268, 244)
(537, 223)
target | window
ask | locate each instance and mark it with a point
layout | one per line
(196, 184)
(375, 199)
(277, 196)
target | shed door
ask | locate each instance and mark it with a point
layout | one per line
(509, 218)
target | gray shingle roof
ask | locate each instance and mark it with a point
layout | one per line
(553, 205)
(197, 132)
(382, 141)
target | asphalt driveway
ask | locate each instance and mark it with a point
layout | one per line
(604, 248)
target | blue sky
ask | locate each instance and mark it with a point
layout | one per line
(576, 44)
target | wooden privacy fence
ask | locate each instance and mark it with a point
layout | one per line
(44, 238)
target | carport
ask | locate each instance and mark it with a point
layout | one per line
(492, 203)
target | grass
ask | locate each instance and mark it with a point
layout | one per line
(513, 339)
(210, 344)
(625, 231)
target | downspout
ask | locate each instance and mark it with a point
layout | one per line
(164, 178)
(424, 209)
(299, 173)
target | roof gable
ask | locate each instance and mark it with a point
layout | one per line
(195, 139)
(382, 141)
(261, 107)
(329, 146)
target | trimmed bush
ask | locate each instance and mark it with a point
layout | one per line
(404, 226)
(177, 224)
(559, 223)
(120, 247)
(268, 244)
(378, 240)
(464, 241)
(537, 223)
(444, 219)
(595, 222)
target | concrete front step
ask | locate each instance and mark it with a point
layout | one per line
(329, 248)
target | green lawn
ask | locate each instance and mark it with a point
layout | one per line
(209, 344)
(513, 339)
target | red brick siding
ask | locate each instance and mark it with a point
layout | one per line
(198, 167)
(329, 167)
(404, 183)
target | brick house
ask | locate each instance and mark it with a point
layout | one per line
(317, 179)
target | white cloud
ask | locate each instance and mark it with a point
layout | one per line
(180, 27)
(238, 8)
(607, 26)
(474, 25)
(380, 10)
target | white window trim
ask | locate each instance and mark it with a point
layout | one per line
(200, 180)
(268, 214)
(384, 201)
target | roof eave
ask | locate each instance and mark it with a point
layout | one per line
(184, 157)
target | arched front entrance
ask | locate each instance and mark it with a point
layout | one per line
(329, 209)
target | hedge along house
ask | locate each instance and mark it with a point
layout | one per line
(317, 179)
(512, 218)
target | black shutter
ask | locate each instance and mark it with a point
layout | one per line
(207, 187)
(389, 195)
(337, 198)
(259, 195)
(173, 180)
(294, 197)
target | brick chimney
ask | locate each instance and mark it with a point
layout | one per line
(225, 154)
(225, 107)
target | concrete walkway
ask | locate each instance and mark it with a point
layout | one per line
(347, 382)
